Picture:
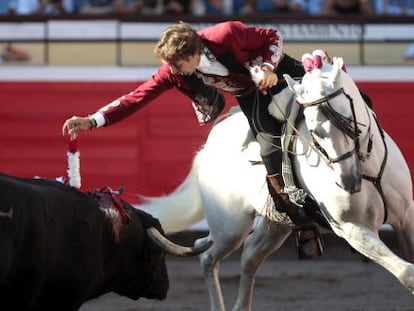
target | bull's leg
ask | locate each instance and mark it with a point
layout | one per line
(368, 243)
(264, 240)
(6, 259)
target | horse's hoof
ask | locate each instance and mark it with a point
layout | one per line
(309, 244)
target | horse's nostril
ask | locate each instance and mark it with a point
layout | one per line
(350, 184)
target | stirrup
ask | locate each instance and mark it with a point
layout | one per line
(296, 196)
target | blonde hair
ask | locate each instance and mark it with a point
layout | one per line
(178, 42)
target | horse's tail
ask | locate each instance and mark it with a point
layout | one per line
(180, 209)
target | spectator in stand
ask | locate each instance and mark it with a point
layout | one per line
(176, 7)
(7, 7)
(12, 54)
(348, 7)
(106, 7)
(280, 6)
(225, 7)
(47, 7)
(314, 7)
(148, 7)
(394, 7)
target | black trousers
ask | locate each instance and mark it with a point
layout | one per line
(266, 128)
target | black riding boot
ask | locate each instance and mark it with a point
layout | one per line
(307, 239)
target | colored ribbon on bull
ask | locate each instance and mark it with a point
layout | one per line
(74, 164)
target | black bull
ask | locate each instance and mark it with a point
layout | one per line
(59, 248)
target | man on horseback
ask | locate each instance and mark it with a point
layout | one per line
(220, 58)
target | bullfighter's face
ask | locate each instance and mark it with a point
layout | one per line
(185, 66)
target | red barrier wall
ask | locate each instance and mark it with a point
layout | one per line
(395, 111)
(150, 153)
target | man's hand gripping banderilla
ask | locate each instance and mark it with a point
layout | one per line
(75, 124)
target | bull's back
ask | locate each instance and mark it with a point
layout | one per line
(60, 248)
(49, 232)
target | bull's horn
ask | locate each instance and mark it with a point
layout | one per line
(173, 248)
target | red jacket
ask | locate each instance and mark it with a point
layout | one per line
(248, 45)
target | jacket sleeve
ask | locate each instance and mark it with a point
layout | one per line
(265, 44)
(207, 103)
(129, 103)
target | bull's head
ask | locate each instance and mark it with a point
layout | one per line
(151, 280)
(151, 277)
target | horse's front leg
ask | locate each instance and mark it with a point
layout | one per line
(369, 244)
(210, 266)
(228, 229)
(265, 239)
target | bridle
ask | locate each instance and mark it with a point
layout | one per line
(342, 123)
(350, 129)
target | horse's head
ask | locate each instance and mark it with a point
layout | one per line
(330, 117)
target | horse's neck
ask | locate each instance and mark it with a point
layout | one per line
(351, 90)
(371, 138)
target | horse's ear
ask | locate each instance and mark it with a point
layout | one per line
(293, 85)
(290, 82)
(338, 63)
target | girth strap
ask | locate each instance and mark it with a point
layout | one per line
(376, 181)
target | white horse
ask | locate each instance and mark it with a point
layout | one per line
(335, 164)
(353, 168)
(227, 187)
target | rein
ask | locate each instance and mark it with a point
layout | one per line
(256, 124)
